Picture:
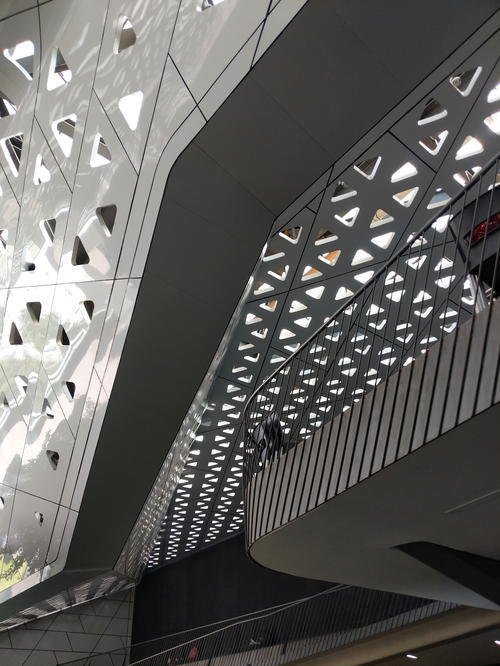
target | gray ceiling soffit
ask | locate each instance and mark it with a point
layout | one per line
(195, 275)
(333, 74)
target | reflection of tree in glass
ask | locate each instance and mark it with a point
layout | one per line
(15, 563)
(13, 570)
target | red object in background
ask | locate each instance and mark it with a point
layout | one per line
(486, 227)
(193, 653)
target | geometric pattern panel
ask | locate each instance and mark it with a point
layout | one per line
(322, 256)
(59, 256)
(91, 94)
(423, 294)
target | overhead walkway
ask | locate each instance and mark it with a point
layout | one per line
(372, 453)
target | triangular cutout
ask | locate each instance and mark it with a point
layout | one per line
(439, 198)
(59, 72)
(296, 306)
(276, 358)
(416, 241)
(330, 258)
(434, 142)
(443, 264)
(380, 218)
(12, 147)
(272, 253)
(4, 234)
(422, 296)
(303, 322)
(416, 262)
(465, 81)
(53, 458)
(405, 197)
(349, 217)
(125, 35)
(315, 292)
(260, 333)
(206, 4)
(309, 273)
(269, 305)
(22, 56)
(343, 191)
(360, 257)
(64, 131)
(325, 236)
(62, 336)
(22, 383)
(368, 168)
(79, 256)
(27, 266)
(384, 240)
(262, 288)
(35, 310)
(374, 309)
(41, 173)
(15, 337)
(463, 178)
(106, 216)
(70, 389)
(252, 319)
(493, 122)
(364, 277)
(494, 94)
(47, 410)
(285, 334)
(432, 111)
(130, 107)
(343, 292)
(49, 229)
(279, 272)
(88, 308)
(470, 146)
(406, 171)
(4, 402)
(292, 234)
(7, 108)
(100, 155)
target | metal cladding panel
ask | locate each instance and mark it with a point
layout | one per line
(95, 106)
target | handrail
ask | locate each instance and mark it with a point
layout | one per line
(271, 612)
(226, 622)
(334, 617)
(440, 278)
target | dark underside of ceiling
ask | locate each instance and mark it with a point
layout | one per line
(336, 70)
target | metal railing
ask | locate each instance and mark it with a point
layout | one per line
(337, 617)
(370, 385)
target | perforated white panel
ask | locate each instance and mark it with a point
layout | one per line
(97, 99)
